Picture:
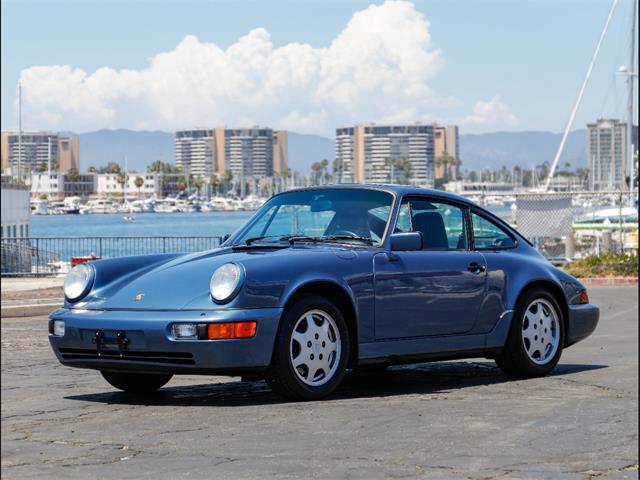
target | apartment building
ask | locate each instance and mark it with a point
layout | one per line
(380, 153)
(446, 143)
(31, 152)
(607, 154)
(248, 152)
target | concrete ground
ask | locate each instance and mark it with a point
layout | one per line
(446, 420)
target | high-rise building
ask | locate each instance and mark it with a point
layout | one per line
(380, 153)
(30, 151)
(195, 151)
(249, 152)
(446, 143)
(607, 154)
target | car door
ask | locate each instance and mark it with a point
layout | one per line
(434, 291)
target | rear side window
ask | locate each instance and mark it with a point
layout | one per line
(488, 236)
(443, 226)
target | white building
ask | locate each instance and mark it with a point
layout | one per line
(107, 184)
(16, 211)
(51, 185)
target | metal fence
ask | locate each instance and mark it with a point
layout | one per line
(54, 255)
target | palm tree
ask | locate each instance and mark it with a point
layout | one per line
(73, 175)
(139, 182)
(227, 180)
(198, 182)
(316, 168)
(338, 168)
(111, 167)
(122, 180)
(324, 164)
(215, 182)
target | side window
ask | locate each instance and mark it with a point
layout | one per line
(403, 224)
(443, 226)
(488, 236)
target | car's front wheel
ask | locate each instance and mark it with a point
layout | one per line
(136, 382)
(536, 337)
(311, 350)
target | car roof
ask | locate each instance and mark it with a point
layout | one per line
(400, 190)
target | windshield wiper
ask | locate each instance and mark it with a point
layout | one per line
(251, 240)
(367, 240)
(281, 238)
(291, 239)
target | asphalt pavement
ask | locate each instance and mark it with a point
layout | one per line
(461, 419)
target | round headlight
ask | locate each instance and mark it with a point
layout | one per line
(78, 282)
(225, 282)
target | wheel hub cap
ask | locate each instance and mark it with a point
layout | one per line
(540, 331)
(315, 348)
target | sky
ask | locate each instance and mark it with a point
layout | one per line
(310, 66)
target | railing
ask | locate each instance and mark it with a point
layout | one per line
(53, 255)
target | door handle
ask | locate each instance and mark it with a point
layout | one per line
(476, 267)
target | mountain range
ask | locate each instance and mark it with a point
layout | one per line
(477, 151)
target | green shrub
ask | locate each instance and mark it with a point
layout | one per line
(608, 265)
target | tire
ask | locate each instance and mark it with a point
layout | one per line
(527, 354)
(312, 349)
(136, 382)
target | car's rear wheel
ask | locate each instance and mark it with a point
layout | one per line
(536, 337)
(311, 350)
(136, 382)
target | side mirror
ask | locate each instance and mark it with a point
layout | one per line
(406, 242)
(225, 237)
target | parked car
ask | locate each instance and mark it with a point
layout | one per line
(322, 280)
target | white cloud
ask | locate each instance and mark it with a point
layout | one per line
(377, 69)
(491, 114)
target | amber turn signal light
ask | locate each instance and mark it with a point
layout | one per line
(584, 296)
(221, 331)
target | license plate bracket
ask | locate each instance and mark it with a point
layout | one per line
(101, 341)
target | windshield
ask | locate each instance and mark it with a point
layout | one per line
(338, 215)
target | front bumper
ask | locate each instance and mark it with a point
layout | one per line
(583, 320)
(150, 347)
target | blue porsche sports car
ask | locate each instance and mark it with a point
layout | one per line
(322, 280)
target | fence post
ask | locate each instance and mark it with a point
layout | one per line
(606, 242)
(37, 255)
(570, 245)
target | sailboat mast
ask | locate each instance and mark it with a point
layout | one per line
(576, 105)
(49, 168)
(630, 144)
(124, 187)
(20, 129)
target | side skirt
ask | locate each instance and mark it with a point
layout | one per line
(411, 350)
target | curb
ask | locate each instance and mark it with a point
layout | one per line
(34, 310)
(608, 281)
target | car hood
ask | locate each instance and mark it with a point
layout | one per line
(183, 282)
